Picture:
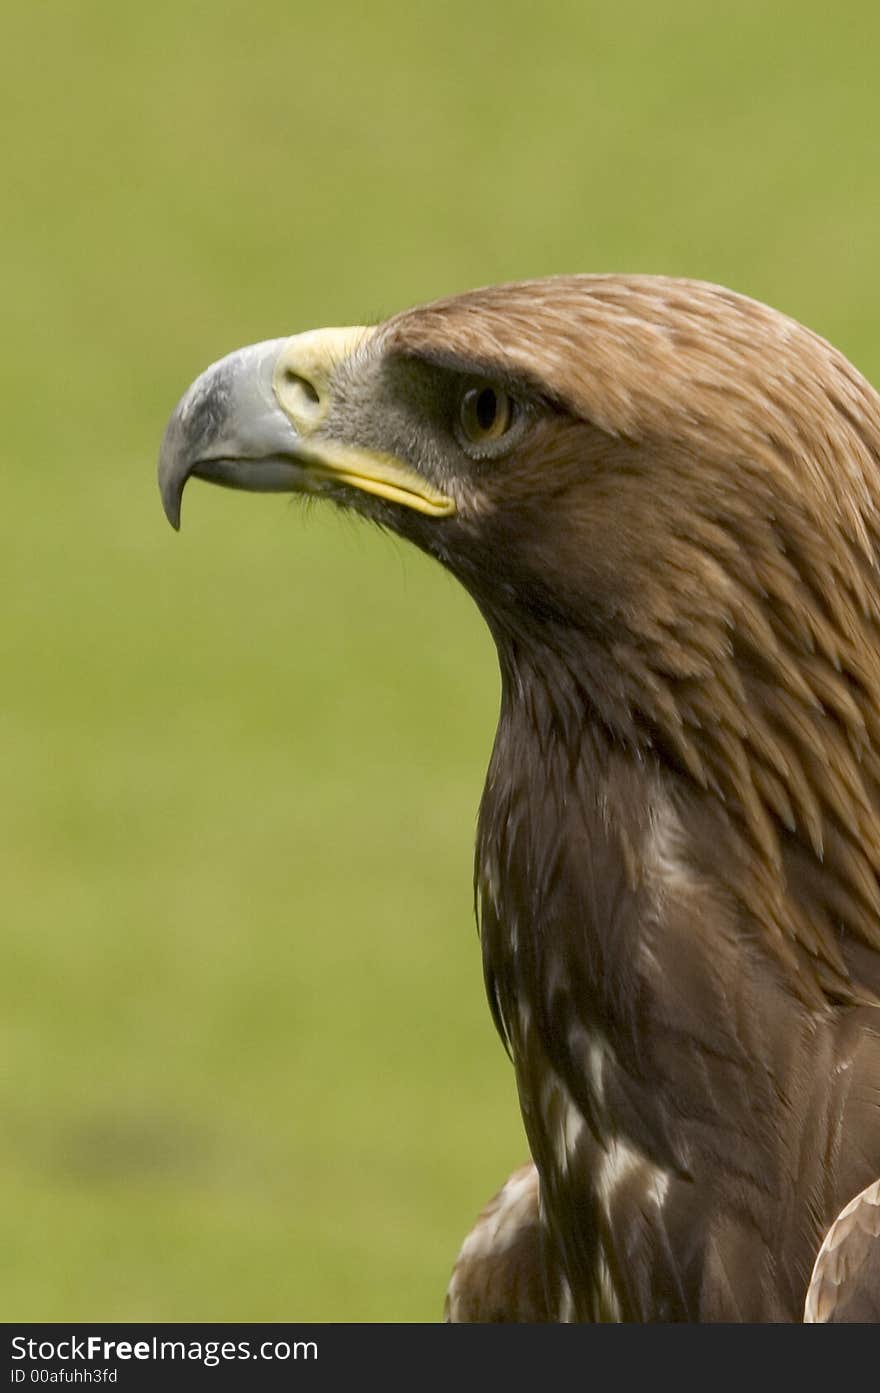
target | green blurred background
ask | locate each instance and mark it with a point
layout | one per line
(246, 1067)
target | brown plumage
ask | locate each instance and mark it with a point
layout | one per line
(665, 503)
(505, 1273)
(846, 1275)
(500, 1274)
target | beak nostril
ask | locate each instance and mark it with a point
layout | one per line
(306, 389)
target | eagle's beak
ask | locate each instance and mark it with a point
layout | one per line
(255, 420)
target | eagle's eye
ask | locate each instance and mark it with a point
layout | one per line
(485, 415)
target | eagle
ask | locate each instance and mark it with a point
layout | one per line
(664, 498)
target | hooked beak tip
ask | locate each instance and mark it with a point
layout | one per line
(172, 479)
